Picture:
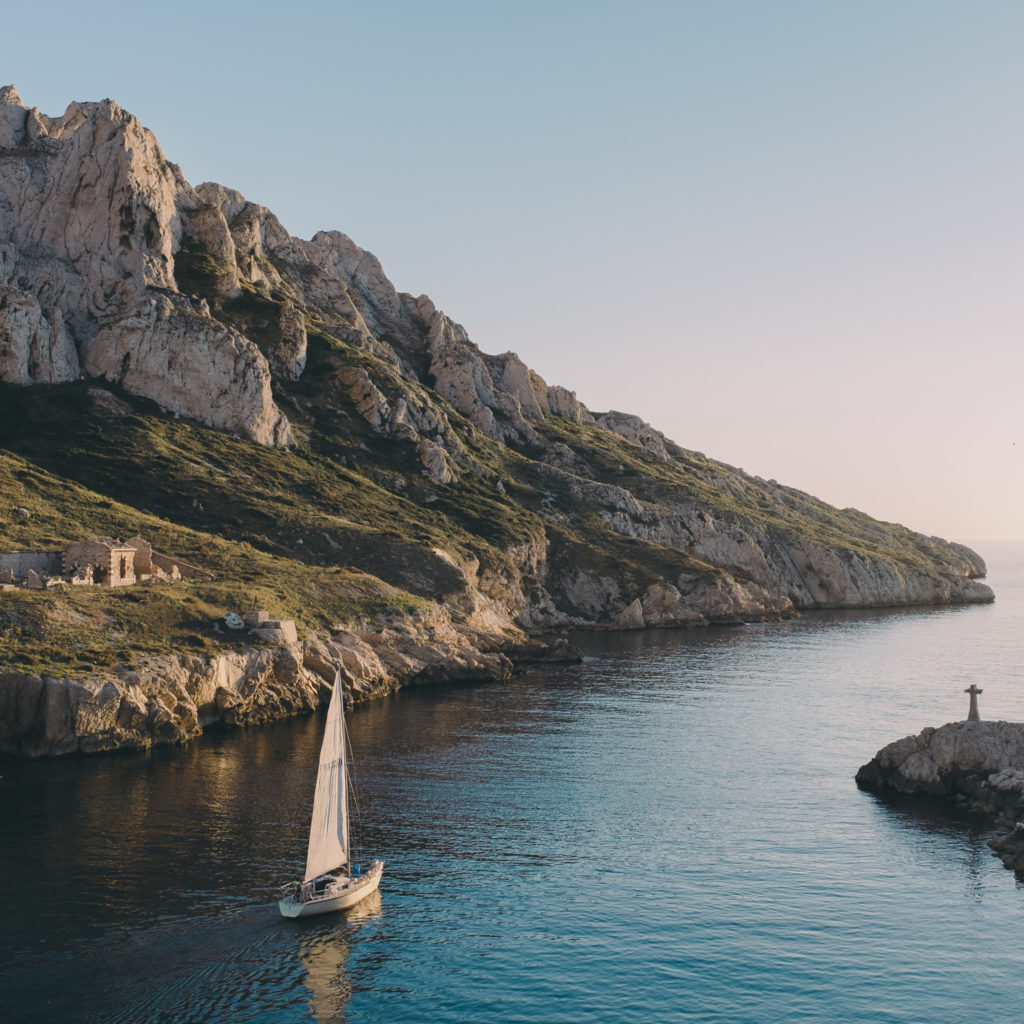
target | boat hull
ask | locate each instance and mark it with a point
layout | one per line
(348, 894)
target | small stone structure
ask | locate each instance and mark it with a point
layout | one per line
(97, 562)
(279, 632)
(149, 563)
(112, 563)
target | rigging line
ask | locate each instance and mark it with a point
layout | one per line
(350, 763)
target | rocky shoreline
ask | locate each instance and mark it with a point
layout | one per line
(972, 766)
(174, 698)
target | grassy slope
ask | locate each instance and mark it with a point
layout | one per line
(692, 478)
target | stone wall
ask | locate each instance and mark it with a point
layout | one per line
(143, 554)
(184, 569)
(87, 552)
(20, 562)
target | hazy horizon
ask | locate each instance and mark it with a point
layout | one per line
(786, 235)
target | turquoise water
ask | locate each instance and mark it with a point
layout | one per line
(669, 832)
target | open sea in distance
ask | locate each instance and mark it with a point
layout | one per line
(668, 832)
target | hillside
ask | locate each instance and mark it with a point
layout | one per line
(273, 410)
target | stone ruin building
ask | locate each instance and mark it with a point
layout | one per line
(105, 563)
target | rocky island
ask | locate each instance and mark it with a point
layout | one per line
(173, 363)
(974, 766)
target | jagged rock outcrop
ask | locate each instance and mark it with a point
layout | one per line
(90, 222)
(636, 430)
(975, 766)
(410, 418)
(1009, 848)
(165, 352)
(936, 761)
(499, 394)
(170, 699)
(34, 346)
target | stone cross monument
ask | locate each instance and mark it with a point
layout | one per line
(972, 714)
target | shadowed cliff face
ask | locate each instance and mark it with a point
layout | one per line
(399, 447)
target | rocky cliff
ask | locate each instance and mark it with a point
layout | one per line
(172, 355)
(975, 766)
(172, 698)
(91, 215)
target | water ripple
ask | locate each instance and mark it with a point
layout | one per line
(669, 832)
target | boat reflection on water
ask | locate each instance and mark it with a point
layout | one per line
(324, 958)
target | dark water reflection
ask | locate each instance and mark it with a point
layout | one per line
(147, 882)
(668, 832)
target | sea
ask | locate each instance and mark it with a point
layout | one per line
(669, 831)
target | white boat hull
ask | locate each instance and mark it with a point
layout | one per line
(341, 895)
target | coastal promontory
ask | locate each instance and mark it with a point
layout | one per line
(275, 412)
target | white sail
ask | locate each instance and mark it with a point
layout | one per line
(328, 832)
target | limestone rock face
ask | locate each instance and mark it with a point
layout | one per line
(191, 366)
(169, 700)
(436, 462)
(410, 418)
(370, 402)
(172, 699)
(114, 267)
(91, 218)
(91, 195)
(205, 230)
(290, 354)
(787, 569)
(499, 394)
(34, 347)
(346, 288)
(636, 430)
(462, 378)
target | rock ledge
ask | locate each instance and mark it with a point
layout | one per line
(977, 766)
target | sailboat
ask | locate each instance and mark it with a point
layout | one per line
(331, 881)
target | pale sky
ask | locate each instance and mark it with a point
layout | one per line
(787, 234)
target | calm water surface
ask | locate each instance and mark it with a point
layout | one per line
(669, 832)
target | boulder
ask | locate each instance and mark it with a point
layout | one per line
(936, 762)
(276, 631)
(631, 617)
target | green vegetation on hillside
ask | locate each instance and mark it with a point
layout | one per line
(69, 631)
(346, 525)
(691, 478)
